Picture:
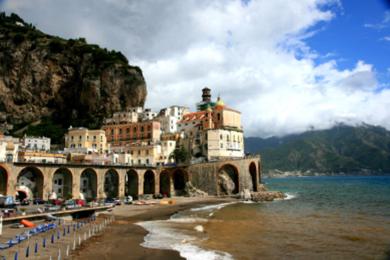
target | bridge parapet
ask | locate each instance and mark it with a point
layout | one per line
(101, 181)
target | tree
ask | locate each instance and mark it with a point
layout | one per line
(180, 155)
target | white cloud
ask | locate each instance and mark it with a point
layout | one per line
(385, 23)
(254, 55)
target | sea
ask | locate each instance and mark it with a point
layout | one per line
(343, 217)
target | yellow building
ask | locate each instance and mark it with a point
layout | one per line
(83, 140)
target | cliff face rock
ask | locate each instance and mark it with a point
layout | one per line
(67, 82)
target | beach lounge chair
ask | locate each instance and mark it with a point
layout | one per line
(4, 246)
(12, 242)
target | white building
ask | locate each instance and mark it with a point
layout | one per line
(36, 143)
(131, 115)
(170, 116)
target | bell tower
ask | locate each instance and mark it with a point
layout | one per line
(206, 95)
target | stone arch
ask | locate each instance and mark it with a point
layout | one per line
(149, 182)
(131, 184)
(165, 183)
(62, 183)
(111, 183)
(179, 182)
(3, 181)
(88, 184)
(253, 173)
(228, 179)
(30, 183)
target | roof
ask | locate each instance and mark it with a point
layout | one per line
(193, 116)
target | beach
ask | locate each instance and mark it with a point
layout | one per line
(322, 217)
(123, 238)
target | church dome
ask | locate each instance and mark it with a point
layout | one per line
(219, 103)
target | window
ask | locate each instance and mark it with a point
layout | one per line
(112, 131)
(127, 130)
(135, 129)
(221, 145)
(120, 131)
(142, 128)
(219, 116)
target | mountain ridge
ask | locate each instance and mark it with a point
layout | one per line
(340, 149)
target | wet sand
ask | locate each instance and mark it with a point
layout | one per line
(122, 239)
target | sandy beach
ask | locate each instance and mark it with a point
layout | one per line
(122, 239)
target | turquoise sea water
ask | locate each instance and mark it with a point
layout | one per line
(324, 218)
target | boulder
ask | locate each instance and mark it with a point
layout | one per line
(267, 196)
(226, 183)
(192, 191)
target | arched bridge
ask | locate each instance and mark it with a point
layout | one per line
(39, 180)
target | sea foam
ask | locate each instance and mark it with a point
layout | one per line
(162, 236)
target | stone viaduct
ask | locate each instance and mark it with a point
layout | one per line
(101, 181)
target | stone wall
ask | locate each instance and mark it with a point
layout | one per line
(204, 176)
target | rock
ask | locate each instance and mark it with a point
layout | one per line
(262, 187)
(191, 191)
(267, 196)
(246, 194)
(68, 81)
(226, 183)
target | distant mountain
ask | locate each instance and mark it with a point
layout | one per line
(341, 149)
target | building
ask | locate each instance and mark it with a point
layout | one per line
(9, 147)
(41, 157)
(131, 115)
(212, 132)
(128, 133)
(36, 143)
(83, 140)
(168, 118)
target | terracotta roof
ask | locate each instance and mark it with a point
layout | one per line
(193, 116)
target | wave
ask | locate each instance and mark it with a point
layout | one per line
(192, 252)
(290, 196)
(187, 220)
(162, 236)
(213, 207)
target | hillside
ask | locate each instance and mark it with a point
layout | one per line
(48, 83)
(341, 149)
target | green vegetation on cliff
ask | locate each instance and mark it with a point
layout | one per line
(339, 149)
(47, 82)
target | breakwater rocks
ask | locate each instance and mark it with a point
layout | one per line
(267, 196)
(261, 195)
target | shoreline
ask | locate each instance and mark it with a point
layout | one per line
(123, 238)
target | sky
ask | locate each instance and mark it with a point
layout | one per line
(288, 66)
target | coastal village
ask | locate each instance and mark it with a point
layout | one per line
(138, 153)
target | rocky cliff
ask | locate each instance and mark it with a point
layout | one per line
(49, 82)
